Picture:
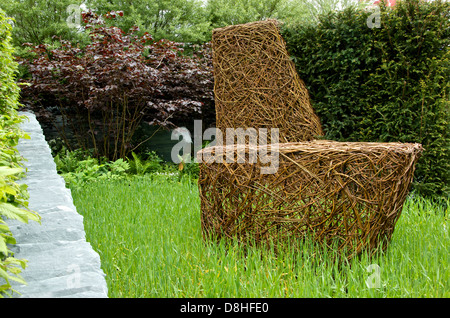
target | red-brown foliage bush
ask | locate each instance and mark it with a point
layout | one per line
(105, 90)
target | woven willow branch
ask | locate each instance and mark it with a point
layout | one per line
(256, 84)
(349, 194)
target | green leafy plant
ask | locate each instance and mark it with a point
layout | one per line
(78, 167)
(139, 166)
(38, 21)
(68, 161)
(117, 167)
(90, 170)
(13, 197)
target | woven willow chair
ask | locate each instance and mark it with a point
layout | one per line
(348, 195)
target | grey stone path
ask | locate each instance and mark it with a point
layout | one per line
(61, 263)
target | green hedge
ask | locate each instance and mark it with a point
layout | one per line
(13, 197)
(386, 83)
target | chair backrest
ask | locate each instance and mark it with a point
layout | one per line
(256, 84)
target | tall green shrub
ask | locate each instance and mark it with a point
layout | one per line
(13, 197)
(386, 83)
(38, 21)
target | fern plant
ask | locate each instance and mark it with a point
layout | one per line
(139, 166)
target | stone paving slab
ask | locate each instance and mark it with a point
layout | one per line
(61, 263)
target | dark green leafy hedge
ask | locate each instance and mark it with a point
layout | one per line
(383, 84)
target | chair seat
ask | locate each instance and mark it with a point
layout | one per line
(342, 193)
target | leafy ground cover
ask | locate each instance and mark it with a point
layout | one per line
(147, 232)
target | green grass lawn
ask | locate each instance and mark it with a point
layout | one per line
(148, 235)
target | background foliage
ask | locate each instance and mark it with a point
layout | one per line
(105, 90)
(383, 84)
(175, 20)
(367, 84)
(13, 197)
(187, 21)
(38, 21)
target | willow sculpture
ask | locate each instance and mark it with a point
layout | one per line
(345, 194)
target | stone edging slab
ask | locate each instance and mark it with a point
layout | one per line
(61, 263)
